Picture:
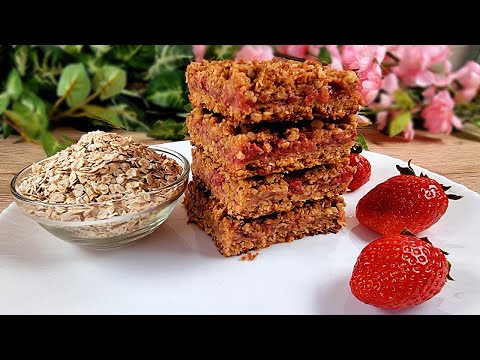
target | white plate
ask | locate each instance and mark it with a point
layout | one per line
(177, 269)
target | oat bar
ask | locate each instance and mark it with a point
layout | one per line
(277, 90)
(261, 149)
(263, 195)
(233, 236)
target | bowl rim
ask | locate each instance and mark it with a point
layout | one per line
(185, 173)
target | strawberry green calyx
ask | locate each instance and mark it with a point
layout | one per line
(409, 171)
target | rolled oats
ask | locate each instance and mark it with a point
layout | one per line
(111, 174)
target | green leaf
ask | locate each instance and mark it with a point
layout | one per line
(167, 89)
(403, 100)
(7, 130)
(109, 81)
(130, 118)
(99, 50)
(361, 140)
(36, 105)
(168, 129)
(73, 49)
(52, 145)
(221, 52)
(4, 101)
(477, 122)
(324, 56)
(29, 121)
(137, 56)
(21, 58)
(169, 57)
(188, 107)
(399, 123)
(14, 84)
(108, 115)
(74, 84)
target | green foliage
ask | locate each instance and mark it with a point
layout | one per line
(4, 101)
(169, 57)
(109, 86)
(324, 56)
(403, 100)
(361, 141)
(74, 84)
(167, 89)
(221, 52)
(399, 123)
(109, 81)
(14, 84)
(168, 129)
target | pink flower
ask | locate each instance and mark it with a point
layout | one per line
(336, 57)
(360, 57)
(390, 83)
(371, 80)
(408, 132)
(428, 94)
(255, 52)
(300, 51)
(469, 78)
(439, 116)
(416, 62)
(199, 52)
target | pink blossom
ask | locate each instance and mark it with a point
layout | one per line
(382, 118)
(409, 132)
(336, 63)
(390, 83)
(336, 57)
(255, 52)
(439, 115)
(428, 94)
(360, 57)
(199, 51)
(300, 51)
(469, 78)
(371, 80)
(416, 62)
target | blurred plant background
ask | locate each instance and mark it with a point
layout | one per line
(142, 87)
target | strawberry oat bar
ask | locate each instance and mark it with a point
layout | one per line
(277, 90)
(233, 236)
(264, 195)
(261, 149)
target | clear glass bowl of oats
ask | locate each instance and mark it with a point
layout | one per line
(123, 209)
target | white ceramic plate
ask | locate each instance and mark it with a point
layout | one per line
(177, 269)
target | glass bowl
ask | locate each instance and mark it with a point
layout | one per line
(106, 225)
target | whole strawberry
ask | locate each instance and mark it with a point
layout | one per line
(363, 169)
(403, 201)
(399, 271)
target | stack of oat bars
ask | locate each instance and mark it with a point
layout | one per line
(271, 150)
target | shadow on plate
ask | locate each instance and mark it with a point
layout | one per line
(335, 298)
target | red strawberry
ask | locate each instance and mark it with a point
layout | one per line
(363, 172)
(399, 271)
(403, 201)
(363, 169)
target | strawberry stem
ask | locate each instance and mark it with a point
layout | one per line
(454, 197)
(356, 148)
(406, 170)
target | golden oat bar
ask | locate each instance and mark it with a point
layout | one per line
(264, 195)
(234, 237)
(262, 149)
(275, 90)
